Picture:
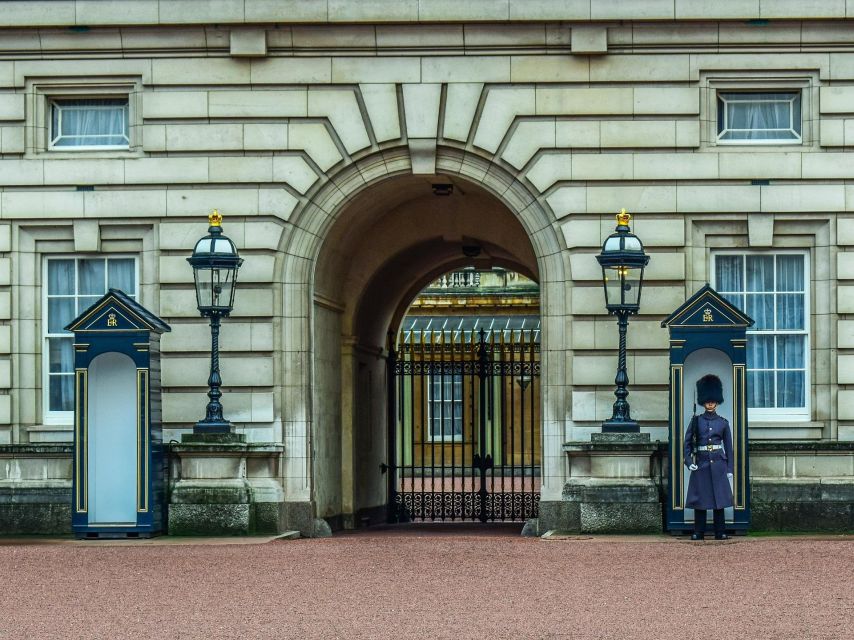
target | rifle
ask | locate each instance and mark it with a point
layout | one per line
(695, 430)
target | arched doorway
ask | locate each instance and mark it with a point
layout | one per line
(464, 400)
(368, 242)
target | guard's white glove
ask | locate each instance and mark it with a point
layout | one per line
(729, 475)
(692, 467)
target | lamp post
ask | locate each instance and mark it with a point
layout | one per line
(215, 263)
(622, 261)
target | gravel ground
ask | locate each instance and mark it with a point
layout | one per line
(436, 582)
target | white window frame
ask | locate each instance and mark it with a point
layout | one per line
(781, 414)
(43, 92)
(440, 379)
(67, 417)
(53, 136)
(721, 103)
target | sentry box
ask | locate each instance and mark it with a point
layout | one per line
(119, 470)
(708, 335)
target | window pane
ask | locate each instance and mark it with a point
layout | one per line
(791, 389)
(83, 303)
(760, 389)
(91, 277)
(728, 273)
(60, 312)
(790, 311)
(61, 393)
(90, 122)
(735, 299)
(760, 273)
(759, 116)
(121, 275)
(761, 309)
(60, 277)
(790, 273)
(760, 352)
(60, 355)
(790, 352)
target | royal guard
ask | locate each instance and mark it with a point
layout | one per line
(708, 454)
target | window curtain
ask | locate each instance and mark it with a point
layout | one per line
(757, 119)
(90, 123)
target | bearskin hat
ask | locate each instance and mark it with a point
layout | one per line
(709, 389)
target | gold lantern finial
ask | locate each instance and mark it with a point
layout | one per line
(215, 218)
(623, 218)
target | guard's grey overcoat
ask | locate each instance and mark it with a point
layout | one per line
(708, 486)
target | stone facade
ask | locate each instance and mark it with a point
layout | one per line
(317, 127)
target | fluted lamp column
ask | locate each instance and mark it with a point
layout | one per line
(215, 264)
(623, 261)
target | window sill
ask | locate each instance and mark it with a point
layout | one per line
(108, 154)
(50, 433)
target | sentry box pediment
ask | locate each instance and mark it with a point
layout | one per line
(117, 312)
(118, 488)
(706, 309)
(708, 335)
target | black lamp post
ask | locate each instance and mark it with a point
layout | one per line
(623, 261)
(215, 263)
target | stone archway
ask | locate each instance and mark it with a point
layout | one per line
(359, 250)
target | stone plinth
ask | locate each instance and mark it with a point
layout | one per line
(610, 486)
(222, 485)
(35, 489)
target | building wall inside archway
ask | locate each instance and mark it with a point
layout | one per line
(387, 244)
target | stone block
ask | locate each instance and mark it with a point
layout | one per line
(665, 101)
(165, 170)
(589, 39)
(421, 106)
(124, 204)
(581, 232)
(248, 42)
(675, 166)
(42, 518)
(342, 110)
(205, 137)
(501, 107)
(175, 104)
(22, 172)
(11, 106)
(240, 169)
(845, 266)
(831, 132)
(527, 138)
(258, 104)
(845, 331)
(637, 133)
(200, 71)
(451, 10)
(806, 9)
(79, 171)
(802, 198)
(577, 133)
(606, 166)
(558, 515)
(617, 10)
(154, 137)
(314, 139)
(265, 137)
(565, 201)
(640, 68)
(12, 139)
(553, 68)
(209, 519)
(836, 99)
(297, 11)
(723, 198)
(759, 165)
(5, 338)
(36, 204)
(372, 69)
(381, 104)
(559, 101)
(638, 200)
(441, 69)
(621, 518)
(461, 101)
(236, 371)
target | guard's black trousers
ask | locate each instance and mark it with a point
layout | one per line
(700, 521)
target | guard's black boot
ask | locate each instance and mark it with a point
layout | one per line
(699, 524)
(720, 525)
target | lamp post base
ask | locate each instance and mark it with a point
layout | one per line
(620, 426)
(213, 426)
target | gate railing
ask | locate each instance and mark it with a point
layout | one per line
(464, 418)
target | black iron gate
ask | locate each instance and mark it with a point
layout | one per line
(464, 426)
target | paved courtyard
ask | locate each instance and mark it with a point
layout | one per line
(430, 582)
